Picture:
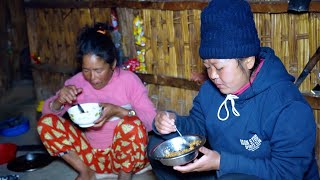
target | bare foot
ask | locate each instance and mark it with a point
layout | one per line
(88, 175)
(124, 175)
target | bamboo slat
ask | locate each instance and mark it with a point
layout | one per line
(125, 21)
(284, 46)
(171, 60)
(185, 44)
(150, 44)
(265, 29)
(178, 43)
(275, 33)
(302, 45)
(161, 39)
(194, 28)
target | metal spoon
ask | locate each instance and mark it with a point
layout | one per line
(185, 142)
(178, 132)
(80, 108)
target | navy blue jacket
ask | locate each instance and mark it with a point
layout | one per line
(275, 134)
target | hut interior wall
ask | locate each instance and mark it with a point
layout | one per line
(13, 42)
(171, 47)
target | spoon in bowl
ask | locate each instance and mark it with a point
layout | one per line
(185, 142)
(80, 108)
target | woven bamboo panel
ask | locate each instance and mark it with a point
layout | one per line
(125, 20)
(4, 80)
(12, 43)
(293, 37)
(172, 43)
(52, 36)
(171, 47)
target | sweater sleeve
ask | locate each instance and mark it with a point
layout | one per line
(46, 109)
(292, 142)
(140, 101)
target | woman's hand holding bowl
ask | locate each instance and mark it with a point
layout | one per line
(209, 161)
(109, 111)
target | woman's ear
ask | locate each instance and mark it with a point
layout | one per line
(250, 62)
(114, 64)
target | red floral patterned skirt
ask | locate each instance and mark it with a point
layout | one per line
(127, 152)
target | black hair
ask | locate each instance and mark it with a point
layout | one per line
(96, 40)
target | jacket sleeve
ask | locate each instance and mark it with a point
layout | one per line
(195, 122)
(192, 124)
(291, 144)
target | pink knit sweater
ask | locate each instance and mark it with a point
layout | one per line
(124, 88)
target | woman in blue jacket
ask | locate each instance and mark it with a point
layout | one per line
(257, 123)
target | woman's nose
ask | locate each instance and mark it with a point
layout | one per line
(92, 76)
(213, 74)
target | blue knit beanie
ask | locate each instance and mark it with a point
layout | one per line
(228, 30)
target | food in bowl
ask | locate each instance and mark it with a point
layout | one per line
(189, 147)
(92, 112)
(179, 150)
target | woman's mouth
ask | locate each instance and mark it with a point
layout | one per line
(95, 85)
(219, 86)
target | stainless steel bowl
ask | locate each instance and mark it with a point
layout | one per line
(161, 151)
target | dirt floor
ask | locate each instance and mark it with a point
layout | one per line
(20, 100)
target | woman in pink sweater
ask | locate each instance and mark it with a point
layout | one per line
(112, 145)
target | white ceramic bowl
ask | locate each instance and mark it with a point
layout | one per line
(92, 112)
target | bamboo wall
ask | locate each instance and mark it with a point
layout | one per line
(52, 35)
(171, 47)
(13, 41)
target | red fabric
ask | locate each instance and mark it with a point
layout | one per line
(127, 152)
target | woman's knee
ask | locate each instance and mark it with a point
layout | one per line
(132, 126)
(154, 140)
(47, 118)
(50, 121)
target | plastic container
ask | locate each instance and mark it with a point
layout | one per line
(14, 126)
(7, 152)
